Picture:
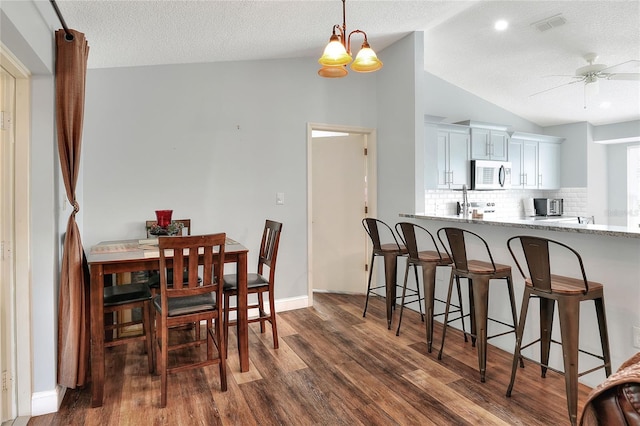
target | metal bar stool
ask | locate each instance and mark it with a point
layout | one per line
(568, 292)
(478, 273)
(389, 251)
(424, 252)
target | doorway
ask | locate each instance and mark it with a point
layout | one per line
(342, 190)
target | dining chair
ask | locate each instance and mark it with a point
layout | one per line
(543, 257)
(122, 297)
(424, 253)
(258, 283)
(190, 301)
(479, 272)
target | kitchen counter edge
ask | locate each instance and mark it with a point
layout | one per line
(606, 230)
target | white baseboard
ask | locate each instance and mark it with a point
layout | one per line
(48, 401)
(282, 305)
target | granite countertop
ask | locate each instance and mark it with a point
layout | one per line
(545, 224)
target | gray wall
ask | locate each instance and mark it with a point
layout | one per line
(25, 32)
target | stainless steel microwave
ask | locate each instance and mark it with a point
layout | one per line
(486, 174)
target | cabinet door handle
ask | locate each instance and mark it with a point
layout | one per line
(539, 179)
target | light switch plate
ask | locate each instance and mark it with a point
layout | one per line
(636, 336)
(280, 198)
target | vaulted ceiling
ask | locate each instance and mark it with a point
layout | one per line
(461, 44)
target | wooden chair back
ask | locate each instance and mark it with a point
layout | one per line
(457, 241)
(269, 248)
(381, 235)
(417, 239)
(538, 253)
(182, 257)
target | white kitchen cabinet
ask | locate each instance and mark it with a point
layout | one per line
(535, 161)
(548, 165)
(523, 156)
(453, 157)
(488, 144)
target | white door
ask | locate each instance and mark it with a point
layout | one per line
(338, 206)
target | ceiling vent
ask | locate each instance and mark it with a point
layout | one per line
(550, 22)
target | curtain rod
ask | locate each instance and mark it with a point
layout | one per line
(68, 36)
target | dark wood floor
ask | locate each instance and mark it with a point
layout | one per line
(333, 368)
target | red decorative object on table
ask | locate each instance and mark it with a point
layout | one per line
(164, 217)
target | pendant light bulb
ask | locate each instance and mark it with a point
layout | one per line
(366, 60)
(335, 53)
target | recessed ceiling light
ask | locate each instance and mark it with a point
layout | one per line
(501, 25)
(605, 104)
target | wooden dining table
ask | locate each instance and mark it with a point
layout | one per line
(113, 257)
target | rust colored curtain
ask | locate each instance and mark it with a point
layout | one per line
(73, 309)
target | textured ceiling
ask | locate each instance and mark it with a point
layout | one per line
(461, 45)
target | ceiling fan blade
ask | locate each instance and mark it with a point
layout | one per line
(556, 87)
(624, 76)
(633, 63)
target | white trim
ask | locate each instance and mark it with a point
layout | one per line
(282, 305)
(47, 402)
(22, 230)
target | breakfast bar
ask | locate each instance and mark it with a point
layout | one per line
(611, 256)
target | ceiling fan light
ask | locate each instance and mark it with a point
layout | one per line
(333, 72)
(366, 60)
(335, 53)
(592, 88)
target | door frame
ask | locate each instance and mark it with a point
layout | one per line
(21, 377)
(372, 185)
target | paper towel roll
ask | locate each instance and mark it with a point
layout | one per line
(529, 209)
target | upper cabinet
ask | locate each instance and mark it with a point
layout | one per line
(535, 161)
(488, 141)
(453, 156)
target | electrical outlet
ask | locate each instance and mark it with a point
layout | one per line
(5, 385)
(636, 336)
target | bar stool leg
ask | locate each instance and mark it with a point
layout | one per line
(429, 287)
(404, 292)
(446, 314)
(415, 270)
(519, 335)
(472, 313)
(604, 334)
(464, 331)
(481, 305)
(569, 314)
(547, 306)
(390, 269)
(366, 301)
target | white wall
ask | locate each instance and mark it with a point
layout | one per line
(574, 172)
(453, 104)
(215, 143)
(597, 199)
(617, 183)
(399, 127)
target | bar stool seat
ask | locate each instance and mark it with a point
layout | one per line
(568, 292)
(390, 251)
(423, 252)
(479, 273)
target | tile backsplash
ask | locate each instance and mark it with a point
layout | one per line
(508, 203)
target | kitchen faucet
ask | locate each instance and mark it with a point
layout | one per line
(465, 201)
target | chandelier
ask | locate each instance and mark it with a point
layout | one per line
(337, 54)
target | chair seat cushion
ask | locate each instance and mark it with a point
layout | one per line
(188, 304)
(126, 293)
(154, 279)
(253, 280)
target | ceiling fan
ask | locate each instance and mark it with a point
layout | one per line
(592, 73)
